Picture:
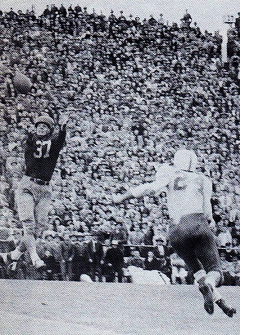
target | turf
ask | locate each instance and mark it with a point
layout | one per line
(71, 308)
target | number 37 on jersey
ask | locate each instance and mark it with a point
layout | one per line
(42, 149)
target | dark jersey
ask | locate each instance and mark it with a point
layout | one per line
(41, 154)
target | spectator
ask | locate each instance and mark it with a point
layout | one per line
(119, 233)
(80, 260)
(224, 237)
(51, 269)
(151, 262)
(148, 233)
(6, 245)
(67, 251)
(235, 271)
(114, 263)
(179, 273)
(135, 259)
(96, 258)
(162, 253)
(6, 241)
(226, 268)
(136, 236)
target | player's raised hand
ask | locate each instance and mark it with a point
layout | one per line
(63, 120)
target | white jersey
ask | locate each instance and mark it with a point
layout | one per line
(187, 192)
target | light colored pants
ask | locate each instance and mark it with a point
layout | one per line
(33, 202)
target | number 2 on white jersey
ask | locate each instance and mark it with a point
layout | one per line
(180, 184)
(40, 145)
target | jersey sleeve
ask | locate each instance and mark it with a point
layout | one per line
(60, 138)
(149, 188)
(28, 145)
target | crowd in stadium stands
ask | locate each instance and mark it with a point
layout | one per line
(135, 91)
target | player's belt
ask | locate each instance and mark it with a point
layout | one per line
(39, 181)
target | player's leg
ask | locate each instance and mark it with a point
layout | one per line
(41, 214)
(183, 240)
(41, 211)
(26, 206)
(7, 247)
(207, 253)
(25, 199)
(201, 278)
(189, 256)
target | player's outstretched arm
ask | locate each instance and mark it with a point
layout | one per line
(118, 198)
(61, 136)
(140, 191)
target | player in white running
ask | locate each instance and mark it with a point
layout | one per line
(188, 199)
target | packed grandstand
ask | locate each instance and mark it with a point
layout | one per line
(135, 91)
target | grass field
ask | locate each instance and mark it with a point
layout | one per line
(71, 308)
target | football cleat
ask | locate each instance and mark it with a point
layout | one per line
(229, 311)
(12, 266)
(207, 292)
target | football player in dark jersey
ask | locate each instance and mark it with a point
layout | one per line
(34, 191)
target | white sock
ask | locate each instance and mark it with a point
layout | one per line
(216, 295)
(212, 278)
(199, 275)
(16, 254)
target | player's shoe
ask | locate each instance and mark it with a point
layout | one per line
(12, 266)
(207, 292)
(229, 311)
(39, 264)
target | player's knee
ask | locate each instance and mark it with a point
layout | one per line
(42, 222)
(30, 231)
(21, 247)
(29, 227)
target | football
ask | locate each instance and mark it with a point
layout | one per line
(22, 83)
